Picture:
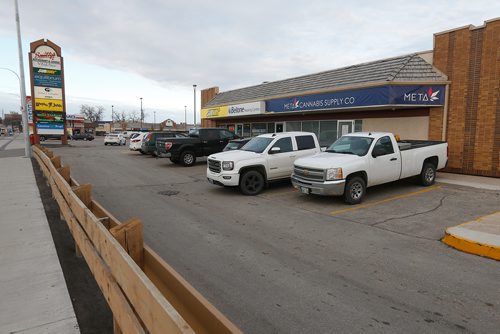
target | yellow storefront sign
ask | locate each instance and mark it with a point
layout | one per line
(214, 112)
(48, 105)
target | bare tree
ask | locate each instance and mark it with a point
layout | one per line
(93, 114)
(133, 117)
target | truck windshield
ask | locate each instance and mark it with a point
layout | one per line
(351, 145)
(257, 144)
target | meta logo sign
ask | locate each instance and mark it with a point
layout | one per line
(422, 97)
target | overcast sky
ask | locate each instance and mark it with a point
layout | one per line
(116, 51)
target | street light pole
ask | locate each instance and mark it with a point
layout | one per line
(154, 120)
(112, 118)
(141, 113)
(185, 118)
(194, 109)
(24, 112)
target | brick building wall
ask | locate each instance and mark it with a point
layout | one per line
(470, 57)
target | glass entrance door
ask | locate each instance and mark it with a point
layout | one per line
(239, 130)
(345, 127)
(279, 127)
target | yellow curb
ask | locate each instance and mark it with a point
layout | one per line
(472, 247)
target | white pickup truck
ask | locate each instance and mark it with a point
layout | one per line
(264, 158)
(364, 159)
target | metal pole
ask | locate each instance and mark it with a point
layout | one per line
(185, 118)
(194, 110)
(154, 120)
(24, 112)
(141, 113)
(112, 117)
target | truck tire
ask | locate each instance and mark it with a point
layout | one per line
(42, 138)
(428, 174)
(188, 158)
(355, 190)
(251, 183)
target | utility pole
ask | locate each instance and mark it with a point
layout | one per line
(24, 112)
(194, 109)
(142, 115)
(185, 118)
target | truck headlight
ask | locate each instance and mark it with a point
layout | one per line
(334, 174)
(227, 165)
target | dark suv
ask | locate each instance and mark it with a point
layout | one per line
(149, 143)
(82, 136)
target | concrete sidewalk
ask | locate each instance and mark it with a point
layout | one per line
(34, 296)
(481, 236)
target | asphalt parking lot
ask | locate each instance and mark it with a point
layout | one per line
(284, 262)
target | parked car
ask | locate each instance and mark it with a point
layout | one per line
(149, 143)
(128, 134)
(136, 141)
(82, 136)
(199, 143)
(364, 159)
(236, 144)
(114, 139)
(265, 158)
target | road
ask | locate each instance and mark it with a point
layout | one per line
(283, 262)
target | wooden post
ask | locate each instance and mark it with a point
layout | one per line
(83, 193)
(64, 171)
(130, 235)
(56, 161)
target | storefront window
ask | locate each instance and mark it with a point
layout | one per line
(311, 126)
(328, 133)
(258, 129)
(270, 127)
(293, 126)
(246, 130)
(358, 125)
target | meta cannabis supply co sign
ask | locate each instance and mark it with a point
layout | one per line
(411, 95)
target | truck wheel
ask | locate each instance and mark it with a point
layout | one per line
(428, 174)
(188, 158)
(252, 183)
(355, 190)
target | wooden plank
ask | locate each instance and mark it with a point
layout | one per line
(200, 314)
(153, 309)
(84, 193)
(56, 161)
(130, 235)
(65, 173)
(122, 311)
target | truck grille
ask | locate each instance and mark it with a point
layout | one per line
(214, 166)
(309, 174)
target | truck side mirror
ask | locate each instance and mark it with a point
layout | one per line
(378, 151)
(274, 150)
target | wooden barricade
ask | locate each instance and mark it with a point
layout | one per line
(144, 293)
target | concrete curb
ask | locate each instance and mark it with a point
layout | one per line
(480, 237)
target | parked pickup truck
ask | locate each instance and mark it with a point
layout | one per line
(199, 143)
(360, 160)
(264, 158)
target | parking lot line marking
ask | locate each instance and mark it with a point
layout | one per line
(385, 200)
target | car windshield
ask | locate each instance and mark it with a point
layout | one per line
(257, 144)
(351, 145)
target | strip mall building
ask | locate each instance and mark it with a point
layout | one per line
(451, 93)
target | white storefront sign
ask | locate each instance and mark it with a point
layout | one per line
(252, 108)
(48, 93)
(46, 57)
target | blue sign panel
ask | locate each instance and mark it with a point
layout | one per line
(53, 81)
(363, 97)
(50, 126)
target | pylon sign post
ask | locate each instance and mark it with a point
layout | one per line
(47, 90)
